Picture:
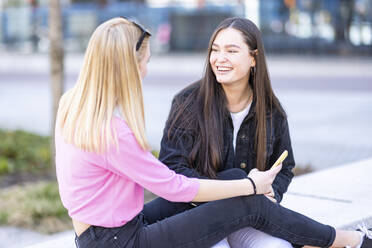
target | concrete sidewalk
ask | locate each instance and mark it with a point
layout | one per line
(341, 197)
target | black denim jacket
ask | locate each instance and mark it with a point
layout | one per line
(174, 151)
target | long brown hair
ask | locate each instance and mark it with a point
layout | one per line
(204, 110)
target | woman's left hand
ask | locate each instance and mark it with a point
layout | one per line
(271, 195)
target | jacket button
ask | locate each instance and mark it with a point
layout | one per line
(243, 165)
(243, 136)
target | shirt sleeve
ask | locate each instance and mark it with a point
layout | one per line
(284, 177)
(174, 151)
(131, 161)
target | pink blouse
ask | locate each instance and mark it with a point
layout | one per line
(107, 189)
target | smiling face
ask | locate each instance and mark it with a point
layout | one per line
(230, 58)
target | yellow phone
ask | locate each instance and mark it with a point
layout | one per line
(281, 158)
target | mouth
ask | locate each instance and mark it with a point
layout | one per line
(223, 69)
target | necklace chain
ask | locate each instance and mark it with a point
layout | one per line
(245, 104)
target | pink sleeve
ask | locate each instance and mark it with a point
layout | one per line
(131, 161)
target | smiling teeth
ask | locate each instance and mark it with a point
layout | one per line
(223, 69)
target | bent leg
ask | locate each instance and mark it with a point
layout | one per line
(164, 209)
(167, 209)
(231, 174)
(209, 223)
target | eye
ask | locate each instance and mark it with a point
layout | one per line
(232, 51)
(214, 50)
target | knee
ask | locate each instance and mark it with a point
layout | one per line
(255, 200)
(261, 202)
(257, 206)
(230, 174)
(253, 205)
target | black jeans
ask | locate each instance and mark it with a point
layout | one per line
(205, 225)
(167, 208)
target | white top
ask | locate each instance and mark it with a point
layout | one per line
(237, 119)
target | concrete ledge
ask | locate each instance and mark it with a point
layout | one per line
(62, 240)
(340, 196)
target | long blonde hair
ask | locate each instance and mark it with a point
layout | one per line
(109, 79)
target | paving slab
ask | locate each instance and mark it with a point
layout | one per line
(63, 240)
(341, 196)
(13, 237)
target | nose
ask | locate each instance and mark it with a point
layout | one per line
(221, 57)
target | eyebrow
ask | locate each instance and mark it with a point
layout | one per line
(228, 45)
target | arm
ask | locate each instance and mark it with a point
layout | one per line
(210, 190)
(284, 177)
(130, 161)
(133, 163)
(175, 149)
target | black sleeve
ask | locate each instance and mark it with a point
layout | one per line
(176, 148)
(282, 142)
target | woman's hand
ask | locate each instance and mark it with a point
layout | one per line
(264, 179)
(271, 195)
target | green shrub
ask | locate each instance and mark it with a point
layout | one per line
(155, 153)
(5, 166)
(3, 218)
(34, 206)
(23, 152)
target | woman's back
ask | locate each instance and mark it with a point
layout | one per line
(88, 183)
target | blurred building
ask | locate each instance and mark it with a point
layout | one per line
(313, 26)
(331, 26)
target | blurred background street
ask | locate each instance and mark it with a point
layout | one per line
(319, 56)
(328, 99)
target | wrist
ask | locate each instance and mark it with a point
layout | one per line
(253, 185)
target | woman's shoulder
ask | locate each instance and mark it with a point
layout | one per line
(182, 113)
(121, 126)
(187, 92)
(277, 113)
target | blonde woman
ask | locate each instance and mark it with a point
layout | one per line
(103, 164)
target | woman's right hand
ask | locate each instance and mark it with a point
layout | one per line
(264, 179)
(212, 190)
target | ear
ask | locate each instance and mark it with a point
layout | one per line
(254, 54)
